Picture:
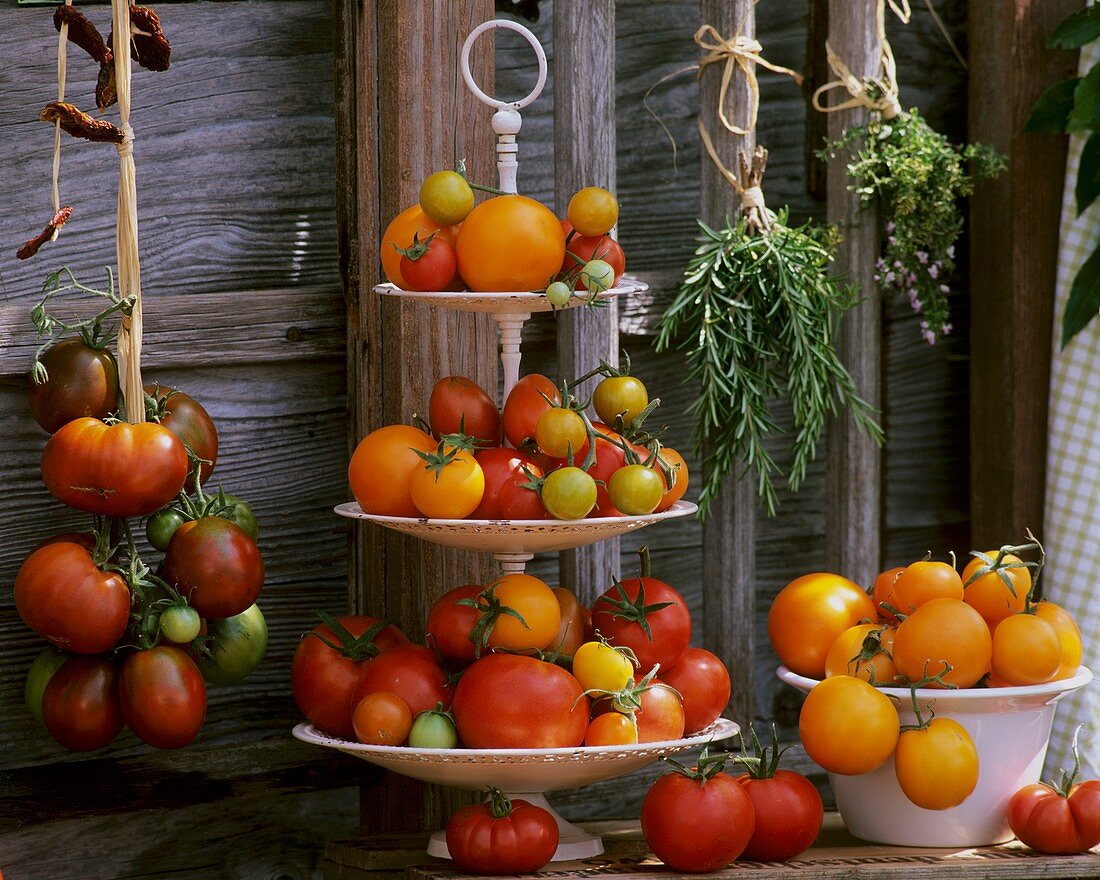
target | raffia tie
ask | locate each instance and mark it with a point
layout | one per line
(878, 94)
(738, 52)
(126, 232)
(62, 75)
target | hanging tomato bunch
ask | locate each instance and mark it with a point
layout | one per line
(507, 243)
(131, 644)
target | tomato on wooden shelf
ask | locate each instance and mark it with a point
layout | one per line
(502, 836)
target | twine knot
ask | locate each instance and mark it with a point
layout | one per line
(126, 147)
(751, 197)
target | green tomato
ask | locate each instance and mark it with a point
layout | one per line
(619, 395)
(39, 675)
(446, 197)
(434, 729)
(233, 648)
(559, 294)
(242, 515)
(636, 490)
(161, 526)
(598, 276)
(569, 493)
(180, 624)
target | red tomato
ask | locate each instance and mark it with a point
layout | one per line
(80, 705)
(505, 497)
(410, 672)
(1051, 822)
(70, 601)
(609, 458)
(450, 624)
(661, 717)
(429, 265)
(116, 470)
(697, 825)
(704, 683)
(163, 697)
(502, 836)
(188, 420)
(524, 406)
(788, 812)
(591, 247)
(216, 565)
(323, 678)
(627, 616)
(399, 234)
(508, 701)
(459, 404)
(82, 381)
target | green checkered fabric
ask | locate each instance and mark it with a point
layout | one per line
(1072, 514)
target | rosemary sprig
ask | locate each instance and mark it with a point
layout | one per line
(755, 316)
(920, 178)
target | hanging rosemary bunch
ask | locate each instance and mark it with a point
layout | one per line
(920, 177)
(755, 316)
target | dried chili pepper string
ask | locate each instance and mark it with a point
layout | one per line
(126, 236)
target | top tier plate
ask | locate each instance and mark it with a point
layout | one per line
(504, 303)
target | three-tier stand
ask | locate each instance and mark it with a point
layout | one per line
(525, 774)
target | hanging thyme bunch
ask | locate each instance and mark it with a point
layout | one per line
(919, 176)
(755, 316)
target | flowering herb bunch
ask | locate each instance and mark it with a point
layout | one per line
(919, 177)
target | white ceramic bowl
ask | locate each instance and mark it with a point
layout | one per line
(1010, 728)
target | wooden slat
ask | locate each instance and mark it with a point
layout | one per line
(854, 488)
(584, 148)
(1013, 257)
(729, 533)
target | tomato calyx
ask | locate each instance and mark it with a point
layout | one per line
(871, 648)
(355, 649)
(491, 610)
(760, 763)
(417, 249)
(449, 448)
(635, 610)
(499, 804)
(1000, 566)
(629, 700)
(706, 768)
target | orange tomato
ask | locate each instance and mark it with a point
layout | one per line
(809, 614)
(382, 719)
(536, 603)
(1069, 637)
(661, 717)
(400, 233)
(937, 766)
(680, 483)
(988, 594)
(883, 594)
(923, 581)
(853, 653)
(510, 243)
(943, 632)
(449, 488)
(382, 467)
(848, 726)
(1026, 650)
(612, 729)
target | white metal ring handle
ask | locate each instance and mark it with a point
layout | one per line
(540, 54)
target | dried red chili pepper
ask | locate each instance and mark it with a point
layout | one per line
(82, 33)
(31, 247)
(105, 92)
(80, 124)
(151, 48)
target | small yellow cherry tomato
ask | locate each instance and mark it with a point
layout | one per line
(560, 431)
(593, 211)
(599, 667)
(446, 197)
(937, 766)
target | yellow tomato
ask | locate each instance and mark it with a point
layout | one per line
(510, 243)
(937, 767)
(599, 667)
(863, 651)
(1069, 636)
(988, 594)
(848, 726)
(1026, 650)
(593, 211)
(535, 603)
(449, 485)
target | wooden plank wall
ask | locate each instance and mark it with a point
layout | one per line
(925, 390)
(243, 307)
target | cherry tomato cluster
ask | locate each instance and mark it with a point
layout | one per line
(922, 625)
(506, 243)
(559, 463)
(130, 646)
(699, 819)
(587, 677)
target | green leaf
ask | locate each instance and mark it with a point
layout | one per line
(1051, 112)
(1084, 299)
(1088, 174)
(1077, 29)
(1086, 103)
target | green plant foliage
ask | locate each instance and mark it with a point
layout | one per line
(919, 177)
(755, 316)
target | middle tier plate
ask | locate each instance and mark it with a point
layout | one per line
(517, 536)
